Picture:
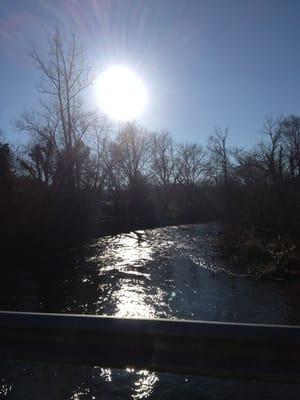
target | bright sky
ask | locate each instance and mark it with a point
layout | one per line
(205, 63)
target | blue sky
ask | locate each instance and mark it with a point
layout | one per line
(205, 63)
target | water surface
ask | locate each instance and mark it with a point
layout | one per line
(172, 272)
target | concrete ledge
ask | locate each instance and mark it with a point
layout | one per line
(230, 350)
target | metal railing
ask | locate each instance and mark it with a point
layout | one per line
(232, 350)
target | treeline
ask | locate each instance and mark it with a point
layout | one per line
(112, 180)
(81, 175)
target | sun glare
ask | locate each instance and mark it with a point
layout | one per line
(122, 95)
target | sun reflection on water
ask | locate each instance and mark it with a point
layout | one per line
(132, 302)
(126, 256)
(106, 374)
(4, 388)
(124, 266)
(125, 252)
(144, 386)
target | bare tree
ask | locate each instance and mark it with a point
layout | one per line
(132, 154)
(37, 160)
(289, 129)
(97, 168)
(163, 166)
(61, 122)
(219, 154)
(266, 161)
(64, 76)
(270, 151)
(191, 164)
(162, 155)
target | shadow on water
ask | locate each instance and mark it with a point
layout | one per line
(172, 272)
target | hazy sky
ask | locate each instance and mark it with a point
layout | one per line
(205, 63)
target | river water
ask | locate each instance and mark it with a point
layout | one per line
(172, 272)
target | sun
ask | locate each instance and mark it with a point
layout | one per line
(121, 94)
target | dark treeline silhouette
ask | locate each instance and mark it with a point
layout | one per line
(79, 175)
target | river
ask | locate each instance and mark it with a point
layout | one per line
(172, 272)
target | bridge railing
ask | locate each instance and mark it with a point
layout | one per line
(231, 350)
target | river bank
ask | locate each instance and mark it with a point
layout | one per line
(263, 256)
(28, 244)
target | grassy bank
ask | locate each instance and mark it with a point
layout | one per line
(261, 255)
